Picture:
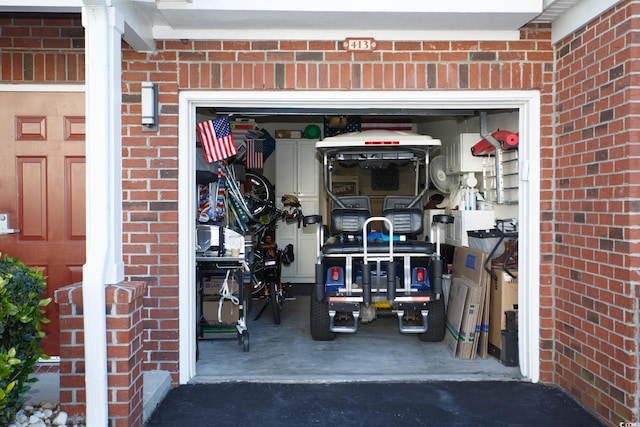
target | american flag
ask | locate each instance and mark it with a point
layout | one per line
(255, 153)
(216, 139)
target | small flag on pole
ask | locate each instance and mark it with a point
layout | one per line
(255, 154)
(216, 139)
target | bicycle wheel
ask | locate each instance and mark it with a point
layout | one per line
(259, 275)
(260, 189)
(257, 286)
(275, 299)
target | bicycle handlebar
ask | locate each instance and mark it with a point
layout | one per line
(279, 215)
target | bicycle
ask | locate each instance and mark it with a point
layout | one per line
(247, 205)
(266, 266)
(255, 213)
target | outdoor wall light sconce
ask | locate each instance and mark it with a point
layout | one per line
(149, 98)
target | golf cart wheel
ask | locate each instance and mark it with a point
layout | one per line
(435, 321)
(320, 320)
(275, 299)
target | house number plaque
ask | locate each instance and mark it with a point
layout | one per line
(359, 45)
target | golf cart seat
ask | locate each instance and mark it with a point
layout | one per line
(346, 228)
(347, 225)
(407, 223)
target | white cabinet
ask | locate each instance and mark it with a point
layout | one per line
(464, 221)
(298, 173)
(458, 154)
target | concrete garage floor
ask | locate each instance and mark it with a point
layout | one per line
(378, 352)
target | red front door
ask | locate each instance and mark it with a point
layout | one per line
(42, 176)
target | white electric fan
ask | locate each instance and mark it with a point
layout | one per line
(438, 175)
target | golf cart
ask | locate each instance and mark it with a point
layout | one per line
(371, 265)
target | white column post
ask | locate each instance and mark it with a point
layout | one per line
(103, 34)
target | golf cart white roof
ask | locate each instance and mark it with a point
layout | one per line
(377, 138)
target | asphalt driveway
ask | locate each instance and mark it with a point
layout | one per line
(438, 403)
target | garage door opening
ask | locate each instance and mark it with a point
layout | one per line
(428, 111)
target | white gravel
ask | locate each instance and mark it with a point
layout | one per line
(45, 415)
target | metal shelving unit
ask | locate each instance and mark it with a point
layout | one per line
(501, 178)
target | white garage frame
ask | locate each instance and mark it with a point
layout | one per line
(528, 104)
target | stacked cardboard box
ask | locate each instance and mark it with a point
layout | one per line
(468, 306)
(228, 314)
(212, 285)
(211, 300)
(504, 298)
(288, 134)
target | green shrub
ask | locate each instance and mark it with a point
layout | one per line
(21, 317)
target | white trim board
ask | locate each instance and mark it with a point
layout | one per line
(528, 104)
(12, 87)
(581, 14)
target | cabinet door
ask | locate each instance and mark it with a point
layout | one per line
(286, 171)
(297, 168)
(302, 269)
(465, 221)
(308, 167)
(459, 158)
(453, 233)
(297, 173)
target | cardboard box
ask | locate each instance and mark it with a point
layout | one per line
(243, 124)
(468, 273)
(211, 286)
(504, 297)
(469, 263)
(455, 312)
(288, 134)
(467, 343)
(229, 315)
(482, 328)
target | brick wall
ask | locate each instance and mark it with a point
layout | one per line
(42, 49)
(124, 352)
(595, 215)
(567, 311)
(151, 160)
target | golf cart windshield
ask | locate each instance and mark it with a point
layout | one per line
(377, 149)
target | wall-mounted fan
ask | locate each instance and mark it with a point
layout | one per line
(438, 175)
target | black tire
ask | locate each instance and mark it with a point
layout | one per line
(259, 187)
(275, 299)
(320, 320)
(258, 279)
(436, 322)
(245, 341)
